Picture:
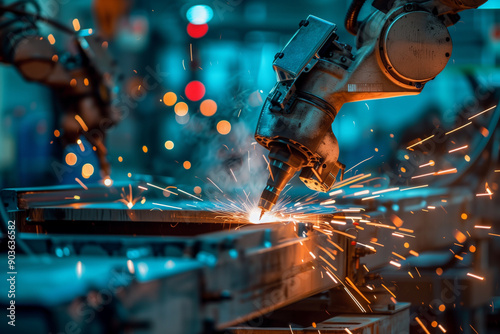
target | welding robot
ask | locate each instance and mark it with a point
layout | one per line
(400, 47)
(84, 77)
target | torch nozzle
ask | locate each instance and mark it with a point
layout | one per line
(280, 174)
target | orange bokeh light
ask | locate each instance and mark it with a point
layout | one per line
(71, 159)
(181, 109)
(224, 127)
(208, 108)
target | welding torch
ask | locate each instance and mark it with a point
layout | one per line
(400, 47)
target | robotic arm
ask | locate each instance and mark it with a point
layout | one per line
(400, 47)
(83, 79)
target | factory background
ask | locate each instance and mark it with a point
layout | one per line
(194, 76)
(225, 63)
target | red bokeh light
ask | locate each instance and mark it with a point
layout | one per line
(195, 91)
(197, 30)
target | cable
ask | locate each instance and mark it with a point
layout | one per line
(351, 19)
(37, 17)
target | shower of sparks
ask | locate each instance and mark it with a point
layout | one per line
(82, 123)
(168, 206)
(234, 176)
(475, 276)
(441, 172)
(356, 289)
(482, 227)
(191, 195)
(363, 192)
(459, 128)
(81, 183)
(395, 264)
(420, 142)
(268, 167)
(337, 192)
(384, 191)
(430, 163)
(128, 198)
(359, 163)
(482, 112)
(215, 185)
(422, 325)
(417, 187)
(475, 331)
(160, 188)
(458, 149)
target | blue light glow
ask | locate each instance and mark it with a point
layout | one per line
(199, 14)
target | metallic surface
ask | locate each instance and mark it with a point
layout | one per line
(416, 46)
(210, 270)
(395, 322)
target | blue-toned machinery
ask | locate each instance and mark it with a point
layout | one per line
(86, 264)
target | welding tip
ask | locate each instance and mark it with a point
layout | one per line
(262, 214)
(281, 174)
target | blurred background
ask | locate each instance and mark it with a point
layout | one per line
(194, 75)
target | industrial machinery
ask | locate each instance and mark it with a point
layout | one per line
(399, 48)
(84, 80)
(95, 259)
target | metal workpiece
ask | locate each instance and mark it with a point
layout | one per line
(262, 280)
(396, 321)
(215, 279)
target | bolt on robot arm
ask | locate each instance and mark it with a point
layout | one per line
(400, 47)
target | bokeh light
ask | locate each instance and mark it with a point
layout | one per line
(181, 109)
(197, 190)
(197, 30)
(108, 182)
(199, 14)
(195, 90)
(182, 119)
(145, 149)
(169, 144)
(208, 108)
(87, 170)
(169, 99)
(120, 159)
(186, 165)
(71, 159)
(76, 24)
(57, 133)
(223, 127)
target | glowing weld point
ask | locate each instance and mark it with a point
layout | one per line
(256, 216)
(108, 182)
